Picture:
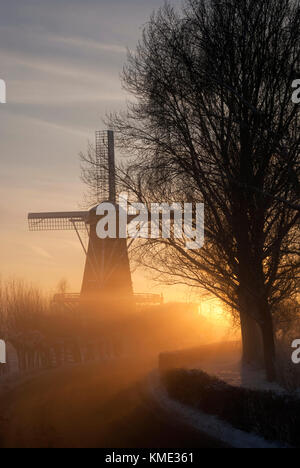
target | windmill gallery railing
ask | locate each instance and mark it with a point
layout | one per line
(69, 299)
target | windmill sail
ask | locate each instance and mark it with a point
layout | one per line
(58, 221)
(105, 162)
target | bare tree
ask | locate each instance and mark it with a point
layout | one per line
(62, 286)
(213, 120)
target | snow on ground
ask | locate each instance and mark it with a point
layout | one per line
(210, 425)
(234, 373)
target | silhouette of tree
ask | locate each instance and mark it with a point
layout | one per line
(213, 121)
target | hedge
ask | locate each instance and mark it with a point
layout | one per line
(273, 416)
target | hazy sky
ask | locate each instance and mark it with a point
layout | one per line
(61, 60)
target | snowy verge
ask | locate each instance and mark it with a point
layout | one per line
(210, 425)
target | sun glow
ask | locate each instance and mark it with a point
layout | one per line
(212, 310)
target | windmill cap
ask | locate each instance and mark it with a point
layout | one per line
(93, 218)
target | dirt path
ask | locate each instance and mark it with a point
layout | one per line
(99, 405)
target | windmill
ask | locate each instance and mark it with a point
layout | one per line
(107, 278)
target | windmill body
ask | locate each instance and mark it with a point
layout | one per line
(107, 275)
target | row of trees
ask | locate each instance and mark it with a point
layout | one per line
(31, 323)
(20, 311)
(212, 120)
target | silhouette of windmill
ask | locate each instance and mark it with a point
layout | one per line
(107, 276)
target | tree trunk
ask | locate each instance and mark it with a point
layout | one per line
(251, 340)
(269, 348)
(251, 333)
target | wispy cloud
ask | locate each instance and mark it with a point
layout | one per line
(89, 44)
(41, 252)
(54, 66)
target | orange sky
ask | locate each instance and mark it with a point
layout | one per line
(61, 62)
